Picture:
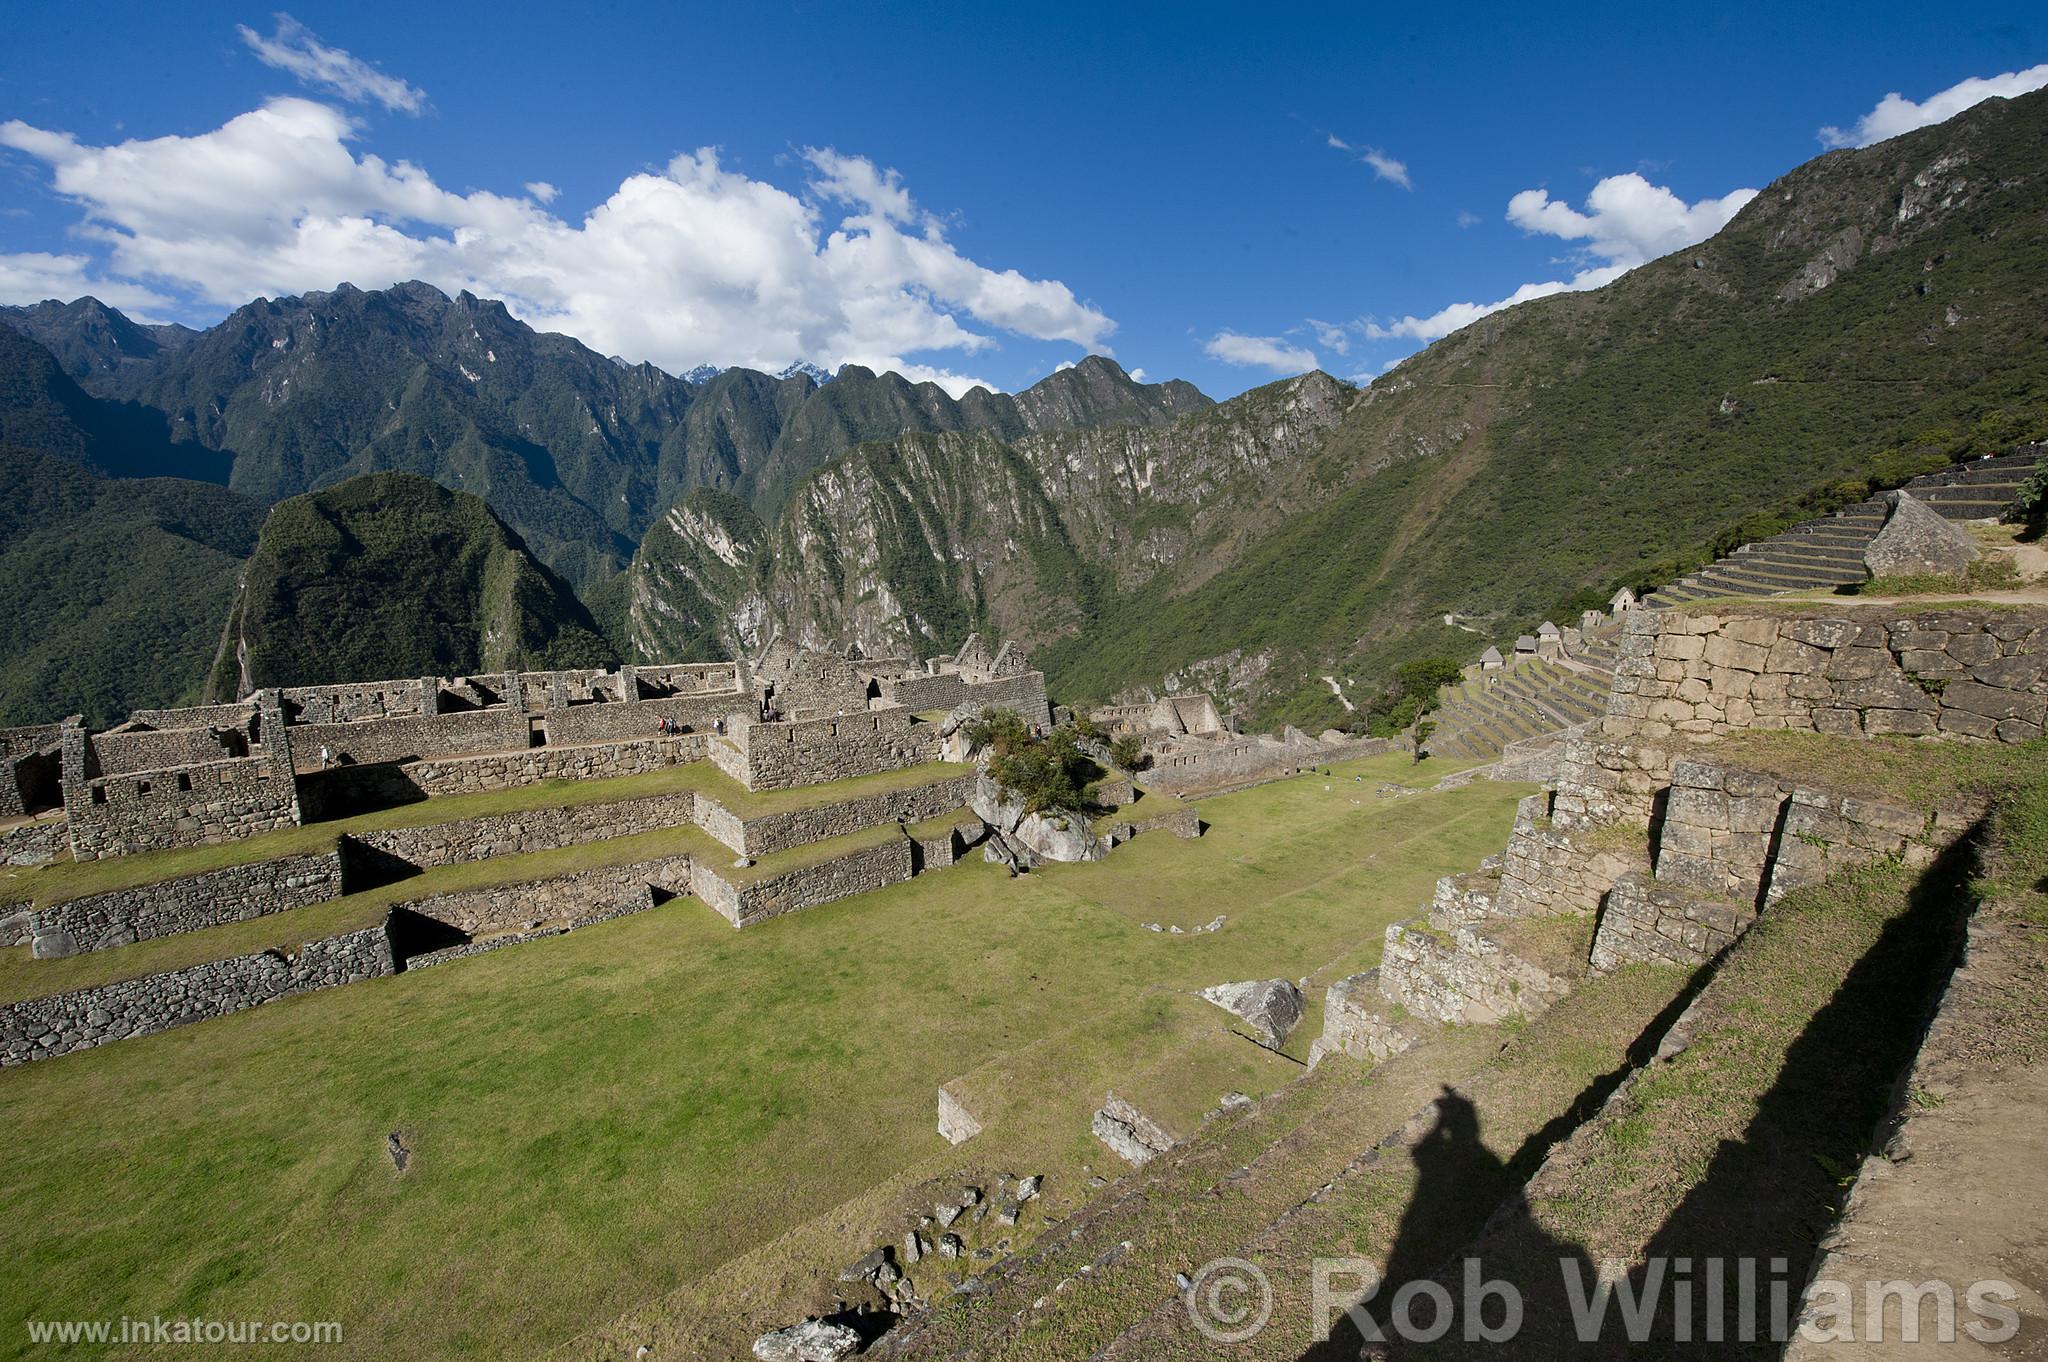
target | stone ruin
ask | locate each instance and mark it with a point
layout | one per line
(1188, 746)
(204, 775)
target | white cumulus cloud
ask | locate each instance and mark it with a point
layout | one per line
(1260, 352)
(695, 263)
(1626, 221)
(293, 47)
(31, 276)
(1896, 114)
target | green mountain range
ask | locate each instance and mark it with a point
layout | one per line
(1869, 313)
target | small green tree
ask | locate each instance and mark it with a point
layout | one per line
(1127, 750)
(1003, 731)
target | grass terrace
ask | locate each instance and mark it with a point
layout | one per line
(661, 1104)
(69, 880)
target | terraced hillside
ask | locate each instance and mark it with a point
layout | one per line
(656, 1103)
(1657, 1109)
(1478, 718)
(1828, 552)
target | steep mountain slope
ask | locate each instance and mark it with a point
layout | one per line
(903, 546)
(115, 587)
(391, 574)
(1869, 303)
(577, 452)
(42, 409)
(1870, 312)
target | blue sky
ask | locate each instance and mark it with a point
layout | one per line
(1218, 194)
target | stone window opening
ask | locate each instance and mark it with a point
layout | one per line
(99, 794)
(141, 787)
(184, 782)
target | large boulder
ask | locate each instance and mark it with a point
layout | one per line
(813, 1340)
(1055, 835)
(1917, 541)
(1272, 1008)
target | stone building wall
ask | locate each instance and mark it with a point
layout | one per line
(348, 703)
(766, 834)
(201, 805)
(30, 764)
(1024, 692)
(124, 751)
(810, 751)
(857, 872)
(579, 898)
(42, 1028)
(408, 737)
(186, 904)
(346, 787)
(591, 723)
(236, 715)
(1974, 673)
(515, 834)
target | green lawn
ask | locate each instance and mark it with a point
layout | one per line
(661, 1104)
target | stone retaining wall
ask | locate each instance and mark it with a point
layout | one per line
(514, 834)
(766, 834)
(1974, 673)
(190, 806)
(186, 904)
(857, 872)
(1647, 920)
(37, 841)
(583, 897)
(42, 1028)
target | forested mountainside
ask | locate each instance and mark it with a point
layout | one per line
(391, 575)
(115, 587)
(576, 452)
(1870, 313)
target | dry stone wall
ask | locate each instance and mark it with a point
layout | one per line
(594, 723)
(1024, 693)
(407, 737)
(779, 756)
(326, 792)
(189, 806)
(186, 904)
(766, 834)
(36, 841)
(584, 897)
(745, 903)
(1974, 673)
(514, 834)
(42, 1028)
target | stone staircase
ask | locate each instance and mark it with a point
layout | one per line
(1828, 552)
(1477, 719)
